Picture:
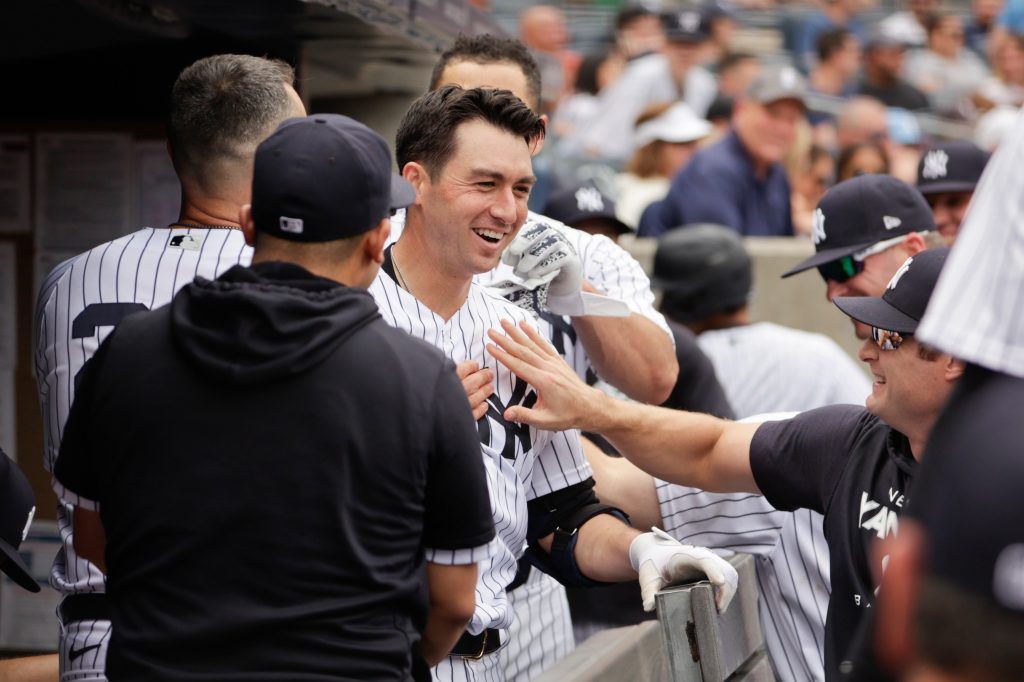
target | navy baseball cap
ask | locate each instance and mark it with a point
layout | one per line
(860, 212)
(951, 167)
(706, 269)
(324, 177)
(17, 507)
(583, 202)
(684, 26)
(906, 297)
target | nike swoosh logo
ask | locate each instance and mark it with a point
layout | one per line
(77, 653)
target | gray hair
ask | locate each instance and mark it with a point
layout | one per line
(223, 106)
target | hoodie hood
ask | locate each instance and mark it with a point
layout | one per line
(255, 325)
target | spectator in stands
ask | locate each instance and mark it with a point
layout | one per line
(740, 182)
(862, 119)
(883, 64)
(832, 14)
(542, 29)
(978, 28)
(576, 111)
(638, 32)
(908, 26)
(810, 175)
(947, 176)
(720, 115)
(838, 63)
(719, 22)
(862, 158)
(736, 71)
(1005, 87)
(945, 71)
(670, 75)
(666, 136)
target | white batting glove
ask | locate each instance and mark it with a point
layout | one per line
(662, 560)
(540, 254)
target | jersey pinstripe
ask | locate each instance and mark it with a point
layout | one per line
(775, 368)
(767, 368)
(977, 310)
(79, 304)
(521, 462)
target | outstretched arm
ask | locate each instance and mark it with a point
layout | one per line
(679, 447)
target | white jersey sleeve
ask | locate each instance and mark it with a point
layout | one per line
(977, 308)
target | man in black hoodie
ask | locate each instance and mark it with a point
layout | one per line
(256, 511)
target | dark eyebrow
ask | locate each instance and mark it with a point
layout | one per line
(495, 175)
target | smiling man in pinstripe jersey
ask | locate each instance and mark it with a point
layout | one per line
(222, 107)
(467, 154)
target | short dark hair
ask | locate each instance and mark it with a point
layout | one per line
(490, 49)
(733, 59)
(427, 131)
(223, 106)
(934, 20)
(830, 42)
(629, 14)
(957, 631)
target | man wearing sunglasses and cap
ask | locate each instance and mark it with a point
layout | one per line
(854, 465)
(864, 229)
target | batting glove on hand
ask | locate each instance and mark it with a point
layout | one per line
(662, 560)
(540, 254)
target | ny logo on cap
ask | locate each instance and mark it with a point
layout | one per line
(689, 21)
(935, 164)
(28, 523)
(818, 227)
(293, 225)
(589, 199)
(1008, 578)
(788, 77)
(899, 273)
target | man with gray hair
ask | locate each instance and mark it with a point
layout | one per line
(222, 107)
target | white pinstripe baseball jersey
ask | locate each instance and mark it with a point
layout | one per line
(521, 462)
(767, 368)
(80, 303)
(977, 310)
(774, 368)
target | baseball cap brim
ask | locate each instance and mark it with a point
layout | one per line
(402, 193)
(15, 568)
(827, 256)
(951, 186)
(877, 313)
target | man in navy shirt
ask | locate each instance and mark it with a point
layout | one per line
(739, 182)
(853, 465)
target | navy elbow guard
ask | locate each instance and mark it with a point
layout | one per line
(561, 514)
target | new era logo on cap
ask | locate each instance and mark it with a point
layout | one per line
(891, 222)
(934, 165)
(292, 225)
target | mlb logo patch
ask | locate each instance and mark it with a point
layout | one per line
(292, 225)
(188, 242)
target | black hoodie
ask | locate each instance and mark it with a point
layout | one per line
(272, 460)
(255, 325)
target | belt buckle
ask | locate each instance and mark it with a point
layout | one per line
(483, 647)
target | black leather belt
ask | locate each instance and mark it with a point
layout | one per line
(78, 607)
(477, 646)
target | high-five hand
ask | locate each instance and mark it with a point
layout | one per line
(564, 401)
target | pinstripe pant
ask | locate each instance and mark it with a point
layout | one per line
(541, 631)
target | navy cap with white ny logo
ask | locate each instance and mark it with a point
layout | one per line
(860, 212)
(954, 166)
(583, 202)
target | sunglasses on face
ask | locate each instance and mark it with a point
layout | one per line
(841, 270)
(886, 340)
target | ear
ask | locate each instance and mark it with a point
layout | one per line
(539, 145)
(247, 223)
(897, 598)
(954, 368)
(417, 176)
(913, 243)
(376, 240)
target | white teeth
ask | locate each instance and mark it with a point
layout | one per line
(490, 234)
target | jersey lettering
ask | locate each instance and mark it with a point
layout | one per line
(513, 432)
(98, 315)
